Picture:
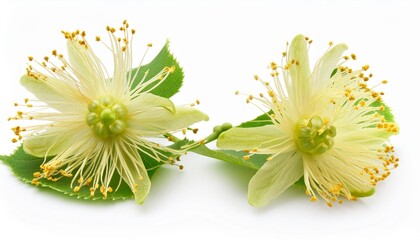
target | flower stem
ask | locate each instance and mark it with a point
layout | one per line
(191, 145)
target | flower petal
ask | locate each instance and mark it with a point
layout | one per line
(57, 94)
(43, 144)
(325, 66)
(161, 118)
(298, 52)
(132, 170)
(274, 177)
(147, 103)
(363, 193)
(248, 138)
(51, 143)
(86, 67)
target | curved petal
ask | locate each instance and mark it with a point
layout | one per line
(326, 64)
(86, 67)
(362, 193)
(299, 52)
(57, 94)
(274, 177)
(51, 143)
(146, 103)
(42, 145)
(160, 119)
(132, 170)
(248, 138)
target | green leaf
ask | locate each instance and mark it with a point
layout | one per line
(334, 72)
(173, 82)
(389, 117)
(24, 165)
(260, 121)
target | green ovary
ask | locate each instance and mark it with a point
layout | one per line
(106, 117)
(314, 136)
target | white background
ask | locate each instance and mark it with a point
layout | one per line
(221, 45)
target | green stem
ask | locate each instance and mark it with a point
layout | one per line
(217, 130)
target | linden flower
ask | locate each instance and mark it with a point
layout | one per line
(325, 127)
(95, 124)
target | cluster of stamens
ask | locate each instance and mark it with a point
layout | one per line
(389, 162)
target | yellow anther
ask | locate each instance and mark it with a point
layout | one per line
(246, 157)
(97, 38)
(149, 44)
(313, 199)
(353, 56)
(37, 174)
(365, 67)
(384, 81)
(273, 66)
(331, 43)
(76, 189)
(346, 57)
(35, 182)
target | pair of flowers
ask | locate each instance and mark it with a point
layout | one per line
(326, 127)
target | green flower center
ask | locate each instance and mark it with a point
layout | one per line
(314, 136)
(106, 117)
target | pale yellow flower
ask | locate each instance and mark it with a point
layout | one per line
(94, 122)
(325, 128)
